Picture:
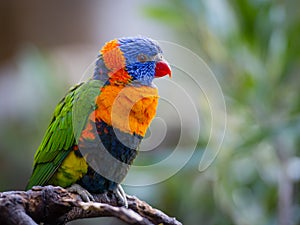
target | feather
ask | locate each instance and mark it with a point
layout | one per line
(59, 138)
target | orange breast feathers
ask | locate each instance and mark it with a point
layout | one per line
(130, 109)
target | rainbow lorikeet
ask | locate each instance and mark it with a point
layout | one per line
(97, 127)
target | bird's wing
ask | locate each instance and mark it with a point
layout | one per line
(69, 119)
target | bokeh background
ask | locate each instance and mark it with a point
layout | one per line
(253, 48)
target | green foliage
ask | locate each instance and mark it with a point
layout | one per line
(253, 48)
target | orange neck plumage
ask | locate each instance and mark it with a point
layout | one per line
(128, 108)
(115, 62)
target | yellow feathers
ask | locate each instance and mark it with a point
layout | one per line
(71, 170)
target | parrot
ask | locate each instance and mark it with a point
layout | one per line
(97, 127)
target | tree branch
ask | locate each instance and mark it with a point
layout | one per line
(55, 205)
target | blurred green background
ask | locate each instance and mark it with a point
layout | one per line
(253, 48)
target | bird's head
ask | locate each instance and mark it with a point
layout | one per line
(132, 60)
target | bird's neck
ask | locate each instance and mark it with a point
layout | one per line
(101, 71)
(115, 76)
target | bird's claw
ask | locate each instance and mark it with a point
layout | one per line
(121, 196)
(87, 197)
(83, 193)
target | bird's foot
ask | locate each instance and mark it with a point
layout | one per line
(121, 196)
(83, 193)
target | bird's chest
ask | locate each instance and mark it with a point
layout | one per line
(129, 109)
(116, 127)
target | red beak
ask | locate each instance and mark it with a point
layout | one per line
(162, 69)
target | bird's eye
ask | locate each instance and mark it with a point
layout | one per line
(142, 58)
(160, 57)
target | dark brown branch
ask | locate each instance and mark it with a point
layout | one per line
(55, 205)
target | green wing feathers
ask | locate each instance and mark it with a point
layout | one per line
(69, 119)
